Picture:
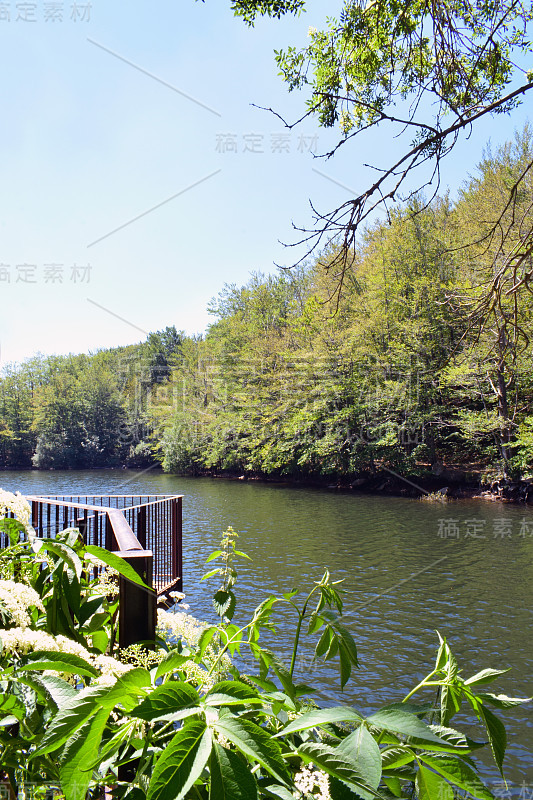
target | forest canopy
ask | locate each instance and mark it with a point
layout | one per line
(287, 381)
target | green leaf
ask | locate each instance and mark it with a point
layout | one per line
(391, 719)
(502, 701)
(13, 528)
(275, 790)
(393, 785)
(231, 778)
(497, 736)
(70, 717)
(455, 741)
(51, 687)
(289, 595)
(315, 623)
(256, 743)
(205, 640)
(324, 716)
(231, 693)
(80, 756)
(181, 762)
(271, 660)
(458, 773)
(431, 786)
(241, 554)
(394, 757)
(127, 690)
(362, 750)
(337, 764)
(166, 700)
(340, 791)
(324, 642)
(66, 553)
(224, 603)
(170, 663)
(485, 676)
(214, 554)
(345, 665)
(60, 662)
(11, 706)
(100, 641)
(118, 563)
(88, 608)
(207, 575)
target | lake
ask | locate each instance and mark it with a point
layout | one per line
(409, 568)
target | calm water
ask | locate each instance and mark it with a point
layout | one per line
(406, 576)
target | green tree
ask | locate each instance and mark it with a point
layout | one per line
(426, 72)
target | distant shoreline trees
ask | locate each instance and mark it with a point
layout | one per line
(294, 378)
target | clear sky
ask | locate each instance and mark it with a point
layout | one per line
(136, 176)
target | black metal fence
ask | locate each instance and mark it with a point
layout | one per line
(145, 530)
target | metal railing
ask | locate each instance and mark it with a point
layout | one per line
(144, 530)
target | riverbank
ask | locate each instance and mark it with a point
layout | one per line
(450, 482)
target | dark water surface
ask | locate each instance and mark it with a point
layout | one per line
(409, 567)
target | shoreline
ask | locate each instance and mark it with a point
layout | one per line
(449, 484)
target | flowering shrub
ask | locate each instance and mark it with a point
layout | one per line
(176, 720)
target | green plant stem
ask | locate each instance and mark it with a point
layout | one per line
(425, 682)
(301, 616)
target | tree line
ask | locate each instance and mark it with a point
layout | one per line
(403, 357)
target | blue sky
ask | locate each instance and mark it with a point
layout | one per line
(137, 178)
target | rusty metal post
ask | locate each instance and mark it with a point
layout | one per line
(110, 540)
(141, 526)
(137, 605)
(81, 525)
(177, 541)
(35, 516)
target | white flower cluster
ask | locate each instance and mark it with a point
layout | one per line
(17, 598)
(17, 504)
(106, 583)
(110, 669)
(185, 627)
(179, 626)
(312, 781)
(23, 640)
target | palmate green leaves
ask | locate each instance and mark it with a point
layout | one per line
(182, 762)
(85, 733)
